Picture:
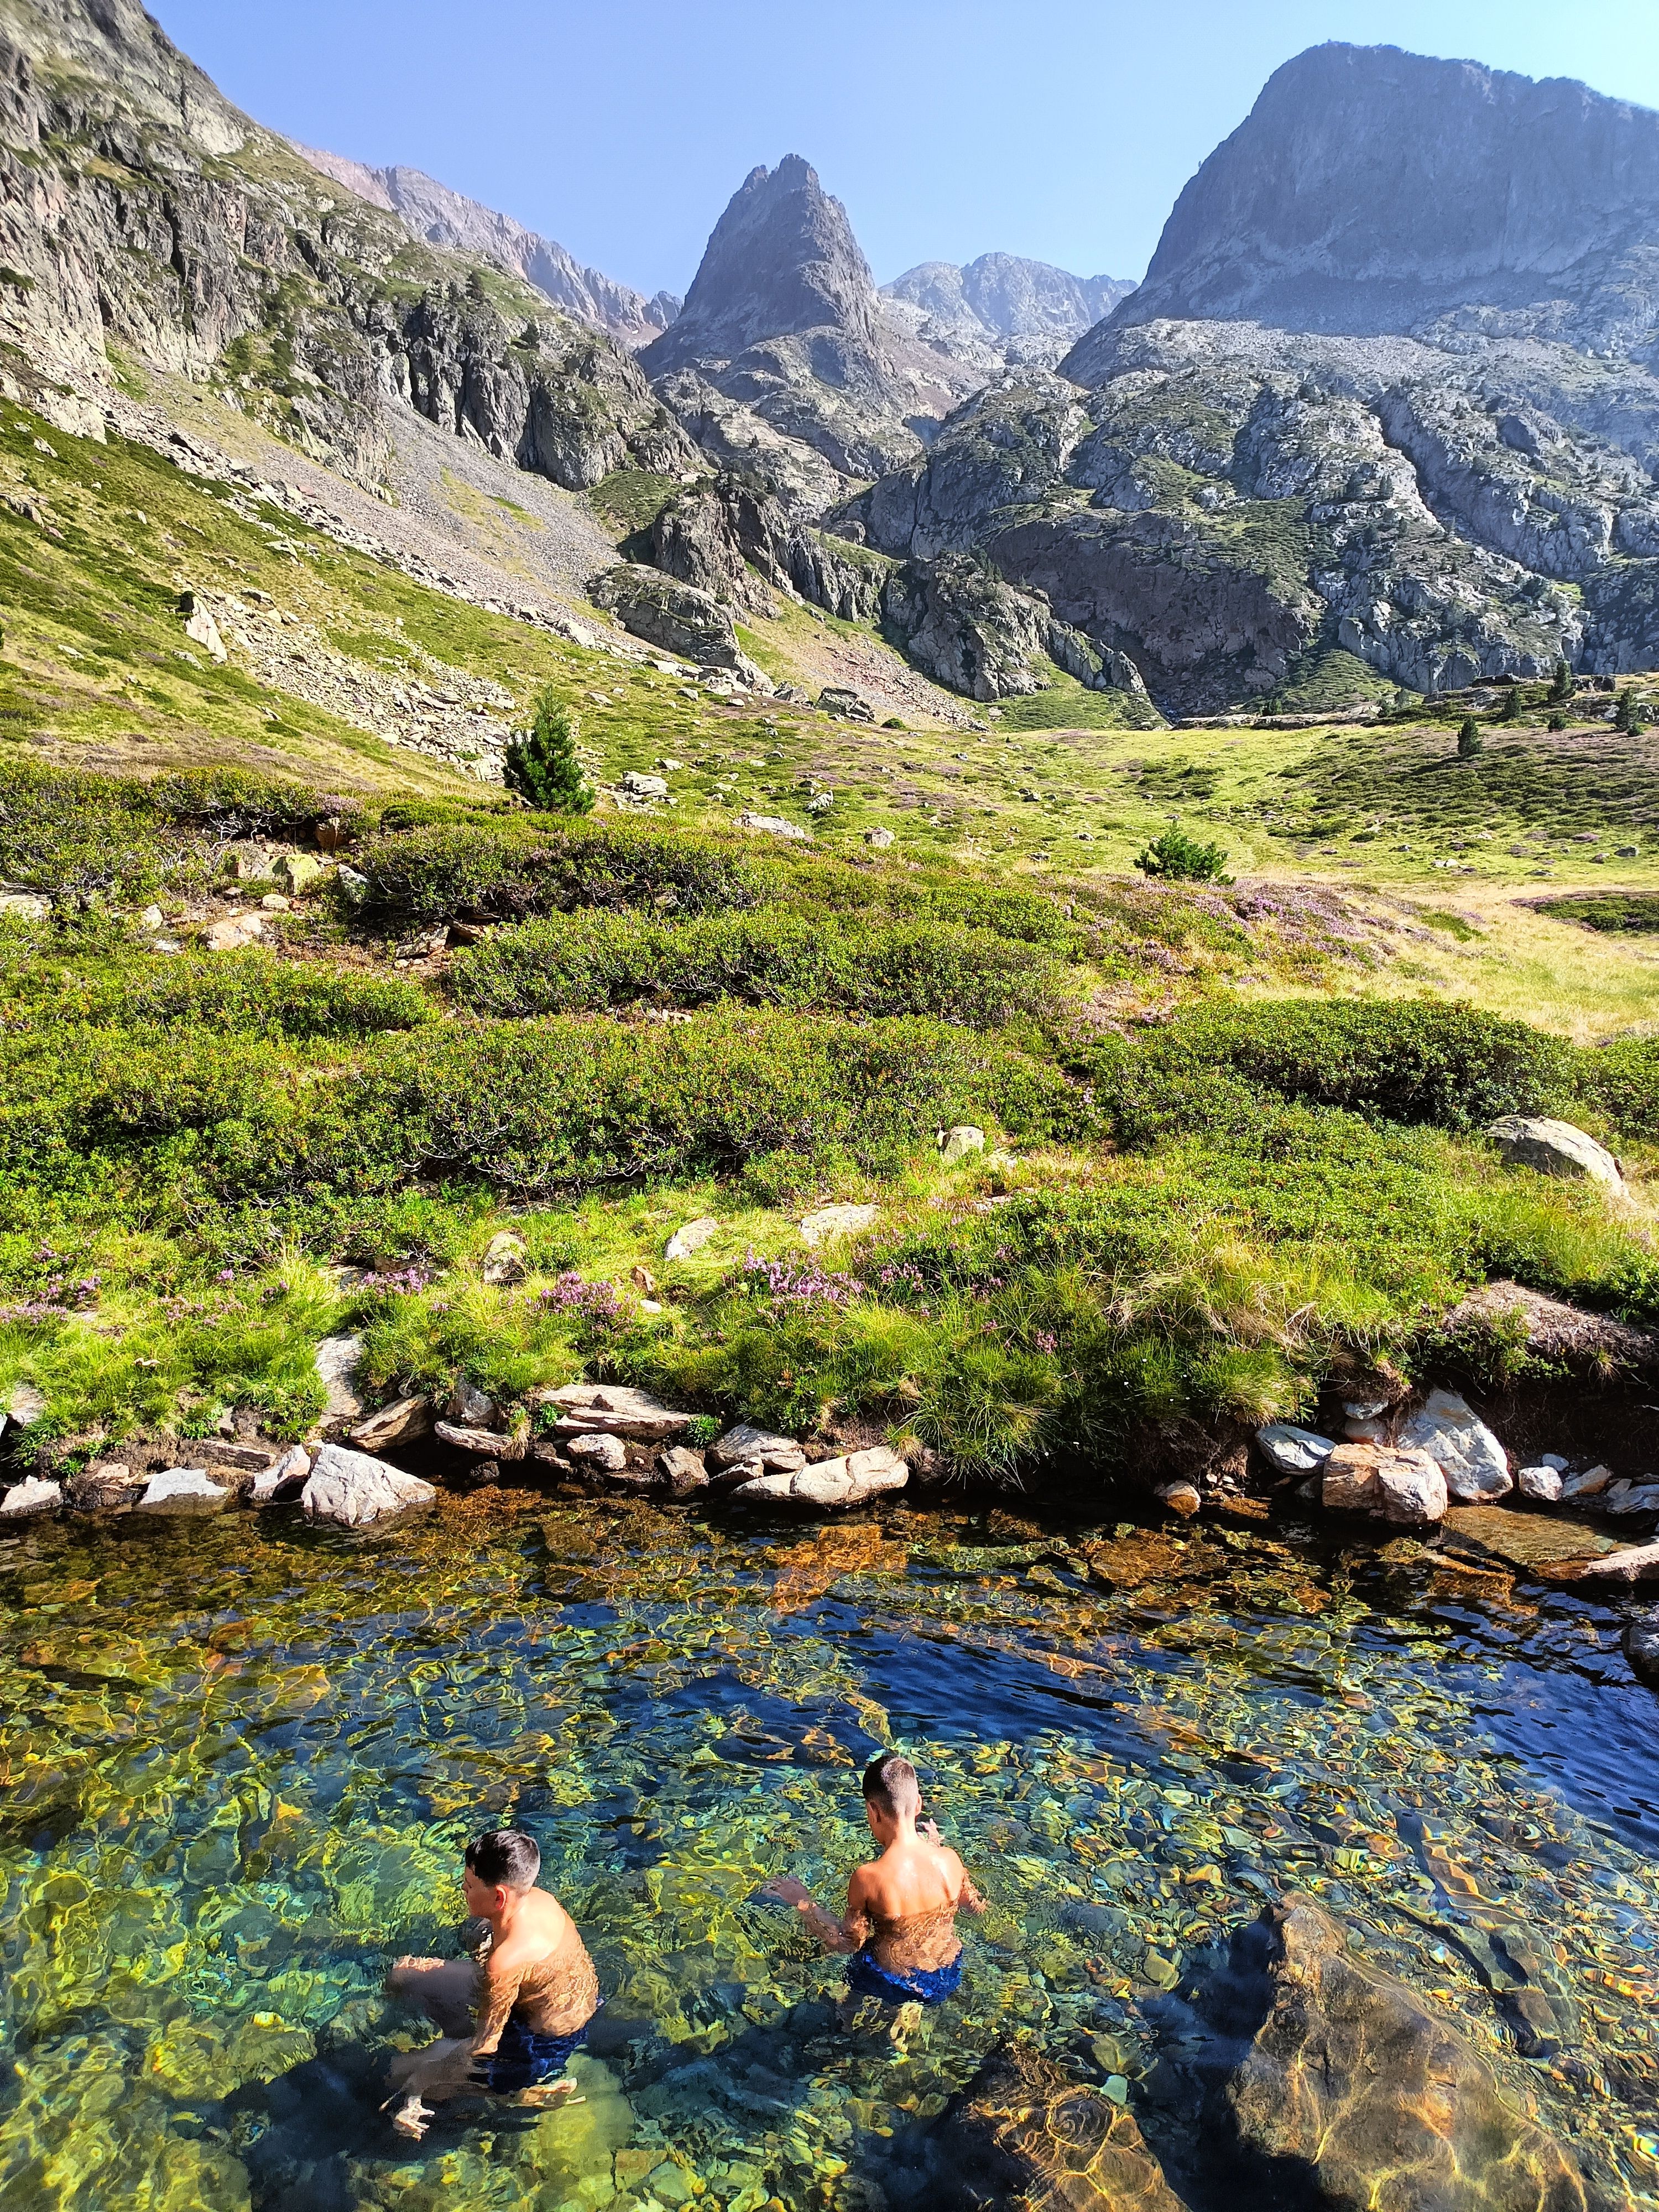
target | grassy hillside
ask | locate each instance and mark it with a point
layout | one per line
(1233, 1133)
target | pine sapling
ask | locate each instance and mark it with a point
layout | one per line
(541, 764)
(1470, 743)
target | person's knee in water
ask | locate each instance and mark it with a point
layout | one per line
(899, 1920)
(511, 2020)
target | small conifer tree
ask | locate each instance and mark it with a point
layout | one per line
(1561, 687)
(474, 289)
(1628, 715)
(1469, 739)
(1511, 710)
(541, 763)
(1181, 860)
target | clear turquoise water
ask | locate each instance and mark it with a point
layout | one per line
(239, 1759)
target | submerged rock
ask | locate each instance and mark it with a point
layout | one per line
(1476, 1466)
(351, 1488)
(1555, 1148)
(1023, 2133)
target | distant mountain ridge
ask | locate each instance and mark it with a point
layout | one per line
(1005, 295)
(439, 216)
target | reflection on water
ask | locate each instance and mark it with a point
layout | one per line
(239, 1760)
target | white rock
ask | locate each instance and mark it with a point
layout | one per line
(638, 785)
(289, 1472)
(1589, 1482)
(34, 1494)
(690, 1236)
(598, 1453)
(203, 630)
(152, 918)
(354, 885)
(746, 1444)
(1554, 1148)
(1292, 1450)
(1365, 1409)
(960, 1142)
(25, 906)
(25, 1406)
(183, 1489)
(831, 1221)
(504, 1259)
(1410, 1489)
(354, 1490)
(831, 1482)
(1476, 1466)
(1542, 1484)
(336, 1367)
(1365, 1432)
(773, 825)
(881, 839)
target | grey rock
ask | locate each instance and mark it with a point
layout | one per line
(1554, 1148)
(1411, 1490)
(356, 1491)
(1541, 1484)
(677, 617)
(105, 1487)
(504, 1259)
(184, 1490)
(25, 906)
(1631, 1498)
(1641, 1641)
(472, 1407)
(596, 1453)
(1475, 1465)
(337, 1359)
(772, 825)
(1290, 1451)
(1588, 1482)
(746, 1444)
(881, 839)
(690, 1236)
(400, 1423)
(960, 1143)
(682, 1470)
(288, 1475)
(851, 706)
(481, 1443)
(35, 1493)
(830, 1483)
(1002, 296)
(639, 785)
(830, 1222)
(354, 885)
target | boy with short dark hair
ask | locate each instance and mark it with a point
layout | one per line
(511, 2020)
(900, 1921)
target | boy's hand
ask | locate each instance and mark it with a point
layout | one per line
(784, 1889)
(930, 1829)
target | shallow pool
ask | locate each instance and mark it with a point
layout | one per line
(240, 1758)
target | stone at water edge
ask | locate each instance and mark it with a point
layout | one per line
(831, 1221)
(400, 1423)
(1589, 1482)
(616, 1409)
(338, 1357)
(1631, 1498)
(1180, 1497)
(482, 1444)
(1642, 1646)
(34, 1494)
(283, 1476)
(504, 1259)
(690, 1236)
(1024, 2133)
(1541, 1484)
(1348, 1483)
(1353, 2083)
(682, 1470)
(183, 1489)
(748, 1446)
(1290, 1451)
(597, 1454)
(1476, 1464)
(1411, 1490)
(1555, 1148)
(351, 1488)
(960, 1142)
(831, 1482)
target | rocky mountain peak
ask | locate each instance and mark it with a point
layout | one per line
(110, 51)
(1006, 296)
(1373, 191)
(782, 261)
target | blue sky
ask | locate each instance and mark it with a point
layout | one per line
(1061, 131)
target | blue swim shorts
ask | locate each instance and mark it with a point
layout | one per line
(928, 1985)
(522, 2057)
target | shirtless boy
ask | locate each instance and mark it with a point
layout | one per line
(900, 1921)
(511, 2021)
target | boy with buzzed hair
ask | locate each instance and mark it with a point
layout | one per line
(902, 1907)
(511, 2020)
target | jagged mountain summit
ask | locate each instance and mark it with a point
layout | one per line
(1373, 192)
(1003, 297)
(442, 216)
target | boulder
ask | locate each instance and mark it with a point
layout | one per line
(399, 1423)
(1541, 1484)
(746, 1445)
(482, 1444)
(203, 630)
(1642, 1646)
(879, 838)
(283, 1477)
(1588, 1482)
(852, 706)
(677, 617)
(1290, 1451)
(830, 1482)
(1348, 1483)
(1023, 2133)
(597, 1454)
(183, 1489)
(682, 1470)
(504, 1259)
(639, 785)
(296, 871)
(960, 1142)
(1410, 1489)
(616, 1409)
(1351, 2082)
(1476, 1466)
(1636, 1563)
(690, 1236)
(773, 825)
(1554, 1148)
(337, 1358)
(831, 1221)
(354, 1490)
(105, 1487)
(1180, 1497)
(34, 1494)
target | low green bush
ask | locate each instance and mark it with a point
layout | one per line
(253, 992)
(583, 962)
(1621, 1080)
(1614, 912)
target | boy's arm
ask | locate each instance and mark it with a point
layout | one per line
(496, 1999)
(844, 1935)
(968, 1898)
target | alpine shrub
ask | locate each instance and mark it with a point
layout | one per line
(1181, 859)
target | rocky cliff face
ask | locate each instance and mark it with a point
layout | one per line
(1000, 312)
(440, 217)
(1371, 190)
(139, 207)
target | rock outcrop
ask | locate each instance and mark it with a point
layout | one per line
(677, 617)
